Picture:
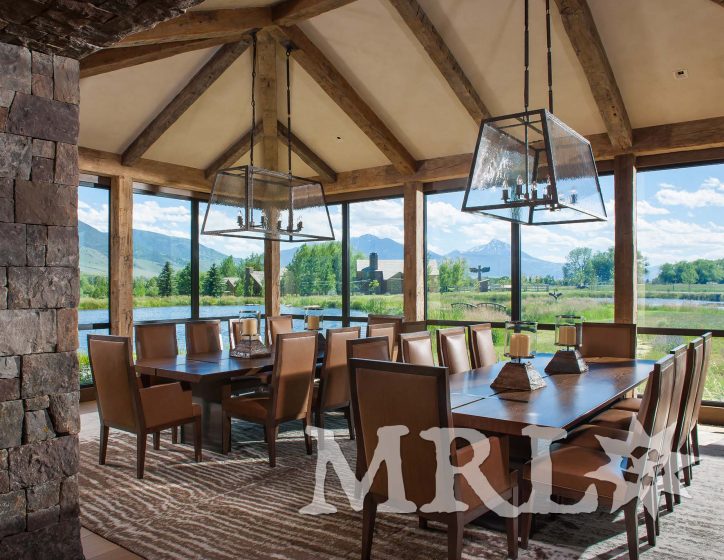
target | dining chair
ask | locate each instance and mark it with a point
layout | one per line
(707, 338)
(381, 397)
(203, 337)
(289, 397)
(609, 340)
(387, 330)
(123, 405)
(280, 324)
(482, 349)
(452, 349)
(413, 326)
(572, 471)
(332, 392)
(396, 320)
(370, 348)
(416, 348)
(156, 341)
(234, 332)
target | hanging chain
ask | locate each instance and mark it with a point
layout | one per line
(289, 113)
(253, 97)
(550, 57)
(526, 93)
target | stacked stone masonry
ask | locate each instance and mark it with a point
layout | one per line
(39, 416)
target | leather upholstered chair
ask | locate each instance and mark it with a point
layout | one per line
(416, 348)
(203, 337)
(396, 320)
(332, 392)
(452, 349)
(375, 348)
(289, 396)
(234, 333)
(392, 394)
(609, 340)
(694, 432)
(482, 349)
(124, 405)
(281, 324)
(387, 330)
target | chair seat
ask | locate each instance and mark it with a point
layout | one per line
(588, 435)
(632, 404)
(196, 409)
(574, 467)
(615, 418)
(255, 407)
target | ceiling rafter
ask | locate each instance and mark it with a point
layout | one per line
(234, 152)
(583, 34)
(292, 12)
(195, 88)
(307, 155)
(428, 36)
(316, 64)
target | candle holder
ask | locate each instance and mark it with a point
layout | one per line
(521, 338)
(569, 337)
(249, 345)
(313, 319)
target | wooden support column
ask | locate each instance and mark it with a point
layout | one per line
(625, 258)
(121, 257)
(414, 224)
(267, 80)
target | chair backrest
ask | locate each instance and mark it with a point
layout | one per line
(609, 340)
(334, 377)
(387, 330)
(114, 377)
(234, 332)
(157, 340)
(452, 349)
(295, 362)
(393, 394)
(653, 414)
(396, 320)
(677, 395)
(416, 348)
(375, 348)
(203, 337)
(707, 338)
(694, 363)
(413, 326)
(281, 324)
(482, 349)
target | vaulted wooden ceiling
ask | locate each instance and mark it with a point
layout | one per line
(395, 85)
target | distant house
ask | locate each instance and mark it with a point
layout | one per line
(389, 273)
(254, 279)
(230, 285)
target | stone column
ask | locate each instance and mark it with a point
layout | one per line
(39, 417)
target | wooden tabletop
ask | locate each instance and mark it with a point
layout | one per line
(566, 401)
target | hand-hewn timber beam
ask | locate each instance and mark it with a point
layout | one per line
(341, 92)
(414, 262)
(292, 12)
(234, 152)
(415, 18)
(720, 2)
(195, 88)
(305, 153)
(625, 281)
(109, 60)
(202, 25)
(121, 256)
(582, 32)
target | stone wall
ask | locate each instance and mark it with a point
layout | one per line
(39, 417)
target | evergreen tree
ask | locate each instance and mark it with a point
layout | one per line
(227, 268)
(213, 283)
(165, 281)
(183, 281)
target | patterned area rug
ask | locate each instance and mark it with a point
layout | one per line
(236, 507)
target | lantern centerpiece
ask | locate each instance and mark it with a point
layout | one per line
(520, 345)
(569, 337)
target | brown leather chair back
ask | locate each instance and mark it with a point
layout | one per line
(294, 365)
(653, 414)
(384, 320)
(413, 327)
(452, 349)
(203, 337)
(609, 340)
(334, 377)
(482, 349)
(157, 340)
(281, 324)
(707, 338)
(392, 394)
(416, 348)
(375, 348)
(677, 395)
(114, 378)
(234, 332)
(694, 363)
(387, 330)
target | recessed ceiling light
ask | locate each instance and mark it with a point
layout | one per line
(681, 74)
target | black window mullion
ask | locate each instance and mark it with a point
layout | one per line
(195, 259)
(345, 266)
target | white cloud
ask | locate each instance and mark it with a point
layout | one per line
(645, 208)
(710, 193)
(95, 216)
(670, 240)
(382, 218)
(175, 221)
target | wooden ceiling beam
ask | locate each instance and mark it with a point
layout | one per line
(307, 155)
(109, 60)
(425, 32)
(195, 88)
(316, 64)
(292, 12)
(581, 29)
(202, 25)
(234, 152)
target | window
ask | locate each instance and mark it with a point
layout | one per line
(681, 238)
(93, 309)
(376, 257)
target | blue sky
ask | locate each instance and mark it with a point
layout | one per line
(679, 218)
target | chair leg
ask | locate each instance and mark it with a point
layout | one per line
(695, 444)
(198, 441)
(104, 445)
(455, 528)
(632, 529)
(422, 523)
(174, 435)
(157, 440)
(225, 433)
(350, 423)
(511, 525)
(140, 454)
(307, 438)
(369, 511)
(650, 515)
(271, 439)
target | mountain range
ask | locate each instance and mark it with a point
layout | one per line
(152, 250)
